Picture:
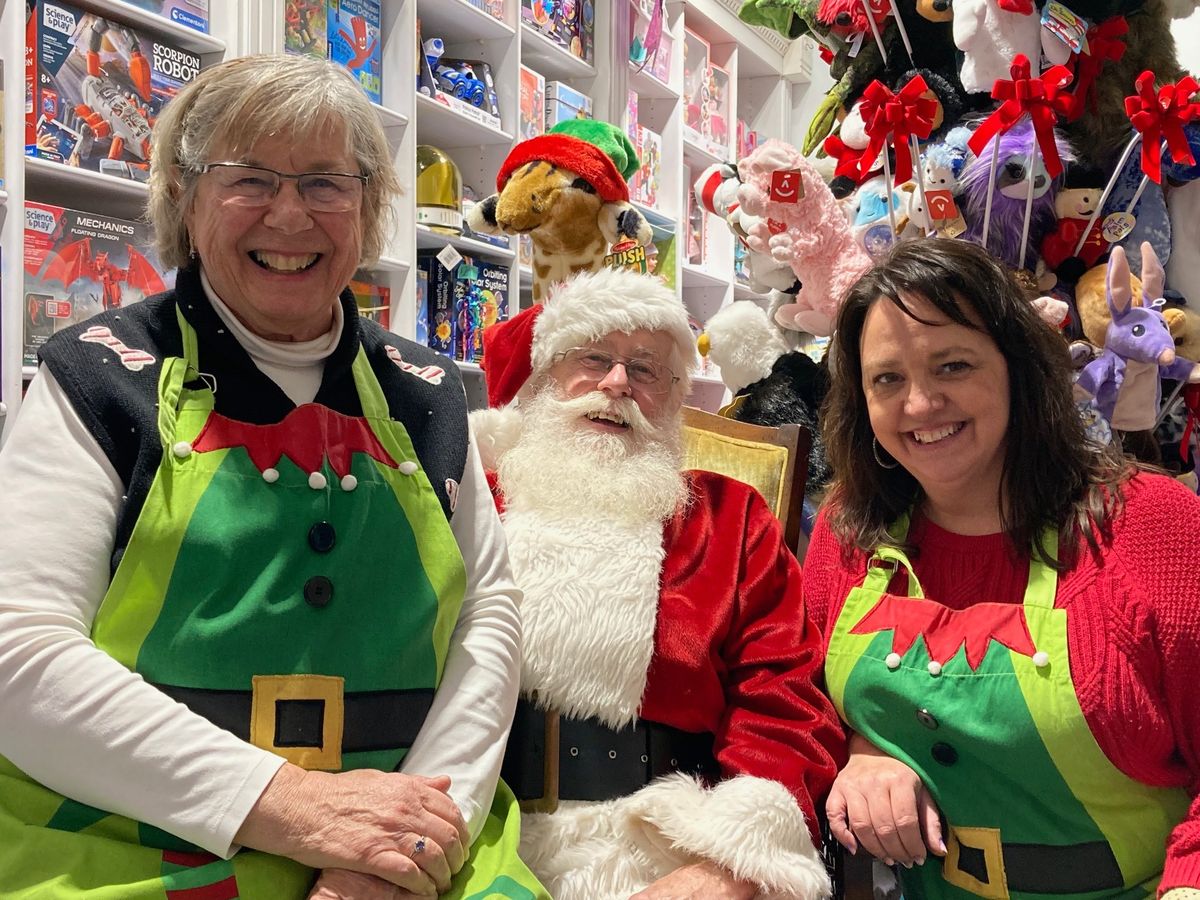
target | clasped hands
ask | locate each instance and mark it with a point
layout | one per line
(879, 803)
(375, 835)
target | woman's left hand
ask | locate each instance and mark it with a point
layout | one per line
(698, 881)
(342, 884)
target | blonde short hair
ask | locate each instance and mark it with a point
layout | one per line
(237, 103)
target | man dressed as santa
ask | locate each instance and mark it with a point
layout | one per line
(671, 736)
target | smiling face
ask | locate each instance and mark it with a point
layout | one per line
(574, 381)
(279, 267)
(938, 401)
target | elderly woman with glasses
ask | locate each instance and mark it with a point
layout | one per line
(256, 615)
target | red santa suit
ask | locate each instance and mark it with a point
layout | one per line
(696, 624)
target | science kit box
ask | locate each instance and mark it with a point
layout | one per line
(563, 102)
(80, 113)
(355, 42)
(192, 13)
(489, 292)
(81, 263)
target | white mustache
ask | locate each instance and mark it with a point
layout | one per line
(597, 402)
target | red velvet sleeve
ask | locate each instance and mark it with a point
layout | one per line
(778, 723)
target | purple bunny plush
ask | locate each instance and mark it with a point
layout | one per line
(1138, 349)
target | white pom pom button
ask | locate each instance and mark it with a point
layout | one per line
(349, 482)
(408, 467)
(892, 660)
(935, 667)
(317, 481)
(270, 476)
(1041, 659)
(182, 450)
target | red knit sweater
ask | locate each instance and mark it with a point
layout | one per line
(1133, 629)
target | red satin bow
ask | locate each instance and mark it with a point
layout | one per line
(1191, 400)
(1162, 115)
(1105, 42)
(901, 115)
(1042, 97)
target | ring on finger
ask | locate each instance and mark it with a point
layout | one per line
(419, 846)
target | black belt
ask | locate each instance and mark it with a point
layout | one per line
(550, 758)
(373, 720)
(1033, 868)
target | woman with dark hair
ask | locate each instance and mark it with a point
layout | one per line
(1010, 610)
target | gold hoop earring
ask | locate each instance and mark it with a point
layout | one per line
(878, 458)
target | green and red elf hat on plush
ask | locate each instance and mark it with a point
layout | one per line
(598, 152)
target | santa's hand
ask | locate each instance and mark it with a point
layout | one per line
(880, 803)
(699, 881)
(404, 829)
(342, 884)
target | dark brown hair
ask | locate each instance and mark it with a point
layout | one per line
(1053, 477)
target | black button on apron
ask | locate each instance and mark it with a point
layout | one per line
(925, 717)
(944, 753)
(318, 591)
(322, 537)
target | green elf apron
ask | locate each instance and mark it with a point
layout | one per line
(984, 710)
(252, 591)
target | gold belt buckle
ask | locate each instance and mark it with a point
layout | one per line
(548, 802)
(979, 840)
(271, 690)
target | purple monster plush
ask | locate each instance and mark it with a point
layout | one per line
(1138, 348)
(1008, 199)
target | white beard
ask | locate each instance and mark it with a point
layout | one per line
(584, 519)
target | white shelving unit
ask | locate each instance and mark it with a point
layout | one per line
(762, 69)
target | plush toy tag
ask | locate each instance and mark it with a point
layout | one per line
(1117, 226)
(786, 187)
(856, 44)
(1065, 25)
(941, 205)
(628, 255)
(449, 257)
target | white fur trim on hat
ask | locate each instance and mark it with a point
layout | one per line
(594, 304)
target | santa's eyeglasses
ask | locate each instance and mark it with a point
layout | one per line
(647, 375)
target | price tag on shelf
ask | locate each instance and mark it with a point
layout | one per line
(449, 257)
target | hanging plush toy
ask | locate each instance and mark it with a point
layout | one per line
(1012, 187)
(990, 37)
(1138, 350)
(567, 190)
(1073, 207)
(716, 191)
(803, 226)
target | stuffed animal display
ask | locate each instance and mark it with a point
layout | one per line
(1138, 349)
(567, 189)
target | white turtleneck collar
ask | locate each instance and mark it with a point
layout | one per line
(296, 366)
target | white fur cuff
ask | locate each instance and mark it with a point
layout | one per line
(751, 826)
(495, 432)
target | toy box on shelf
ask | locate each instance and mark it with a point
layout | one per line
(464, 85)
(462, 301)
(494, 8)
(533, 104)
(747, 139)
(644, 186)
(78, 264)
(631, 116)
(571, 24)
(192, 13)
(346, 31)
(374, 301)
(695, 83)
(421, 335)
(696, 235)
(80, 72)
(356, 43)
(563, 102)
(306, 27)
(715, 124)
(655, 60)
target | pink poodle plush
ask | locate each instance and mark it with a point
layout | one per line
(800, 223)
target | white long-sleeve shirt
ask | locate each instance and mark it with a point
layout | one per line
(82, 724)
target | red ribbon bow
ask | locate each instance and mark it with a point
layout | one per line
(1042, 98)
(1191, 400)
(900, 115)
(1105, 42)
(1161, 115)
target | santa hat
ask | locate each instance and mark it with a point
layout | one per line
(578, 312)
(598, 152)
